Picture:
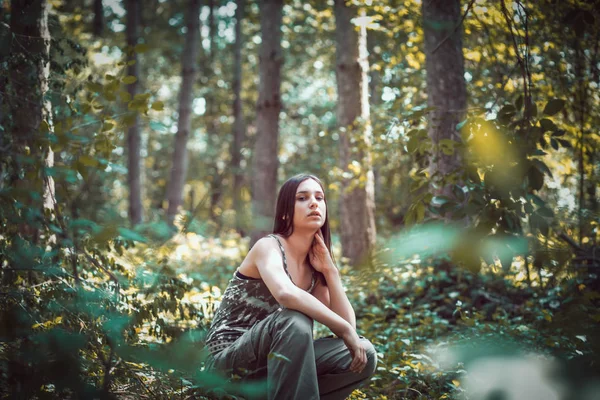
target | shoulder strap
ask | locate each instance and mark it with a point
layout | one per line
(282, 256)
(313, 280)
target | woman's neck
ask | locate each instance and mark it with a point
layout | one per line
(298, 246)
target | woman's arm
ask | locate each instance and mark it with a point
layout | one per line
(333, 294)
(267, 257)
(338, 301)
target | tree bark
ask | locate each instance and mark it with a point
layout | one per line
(98, 26)
(446, 90)
(188, 74)
(580, 97)
(239, 130)
(29, 68)
(357, 200)
(134, 173)
(265, 161)
(212, 112)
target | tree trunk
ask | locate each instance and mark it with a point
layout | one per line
(29, 68)
(134, 175)
(188, 73)
(357, 200)
(265, 159)
(446, 90)
(239, 132)
(98, 26)
(580, 98)
(212, 112)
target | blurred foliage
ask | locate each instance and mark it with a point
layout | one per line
(94, 308)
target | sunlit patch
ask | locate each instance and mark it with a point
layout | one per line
(490, 146)
(511, 378)
(501, 371)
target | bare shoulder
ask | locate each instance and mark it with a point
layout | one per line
(263, 247)
(262, 250)
(258, 254)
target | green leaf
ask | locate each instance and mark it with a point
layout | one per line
(141, 48)
(533, 110)
(543, 168)
(88, 161)
(564, 143)
(158, 106)
(554, 106)
(519, 103)
(554, 144)
(44, 127)
(125, 96)
(420, 212)
(158, 126)
(129, 79)
(458, 192)
(547, 125)
(536, 200)
(536, 178)
(545, 212)
(440, 200)
(94, 87)
(412, 144)
(128, 234)
(460, 125)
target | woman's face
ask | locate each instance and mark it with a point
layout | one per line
(310, 209)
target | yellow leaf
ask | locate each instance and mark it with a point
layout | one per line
(140, 48)
(88, 161)
(158, 106)
(456, 382)
(94, 87)
(44, 127)
(129, 79)
(125, 96)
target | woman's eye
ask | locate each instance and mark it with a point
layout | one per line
(320, 198)
(301, 198)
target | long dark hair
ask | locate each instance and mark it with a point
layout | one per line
(284, 213)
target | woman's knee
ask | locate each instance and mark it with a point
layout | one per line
(371, 357)
(292, 321)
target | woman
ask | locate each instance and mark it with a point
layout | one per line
(264, 324)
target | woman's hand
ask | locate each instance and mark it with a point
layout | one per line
(357, 351)
(318, 254)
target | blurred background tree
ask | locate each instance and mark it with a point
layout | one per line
(142, 144)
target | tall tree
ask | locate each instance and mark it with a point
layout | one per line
(446, 90)
(239, 130)
(134, 175)
(357, 199)
(265, 161)
(184, 124)
(212, 112)
(98, 25)
(29, 68)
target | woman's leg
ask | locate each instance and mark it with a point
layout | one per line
(280, 348)
(333, 359)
